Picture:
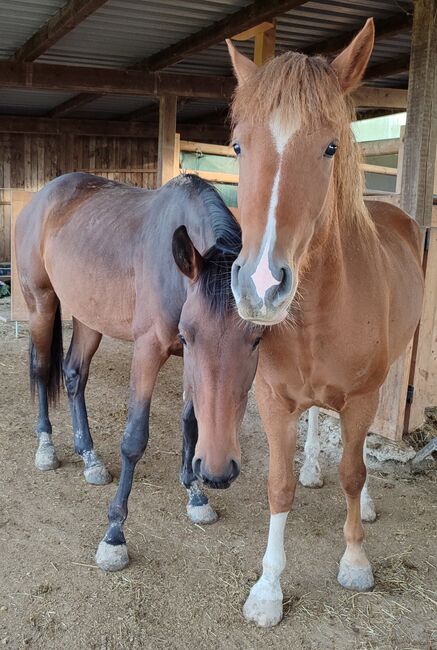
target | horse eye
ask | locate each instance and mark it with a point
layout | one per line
(182, 339)
(236, 147)
(256, 342)
(330, 150)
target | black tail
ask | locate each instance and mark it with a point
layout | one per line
(53, 374)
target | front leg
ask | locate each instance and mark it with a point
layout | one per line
(264, 604)
(198, 509)
(310, 473)
(147, 360)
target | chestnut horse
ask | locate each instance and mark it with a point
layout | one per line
(107, 252)
(344, 277)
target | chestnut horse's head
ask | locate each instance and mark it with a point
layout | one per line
(220, 355)
(293, 140)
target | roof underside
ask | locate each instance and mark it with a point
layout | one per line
(122, 32)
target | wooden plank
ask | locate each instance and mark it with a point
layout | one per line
(73, 104)
(378, 169)
(45, 76)
(388, 68)
(253, 31)
(421, 127)
(205, 148)
(380, 147)
(400, 161)
(239, 21)
(166, 139)
(42, 125)
(366, 96)
(177, 155)
(213, 177)
(265, 44)
(64, 20)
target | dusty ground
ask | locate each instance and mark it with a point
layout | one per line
(186, 584)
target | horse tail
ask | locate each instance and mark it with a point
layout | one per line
(53, 374)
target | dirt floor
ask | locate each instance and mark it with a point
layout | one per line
(186, 584)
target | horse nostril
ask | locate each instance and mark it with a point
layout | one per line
(235, 470)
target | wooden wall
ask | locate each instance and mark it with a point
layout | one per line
(27, 162)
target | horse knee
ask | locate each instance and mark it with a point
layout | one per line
(134, 444)
(281, 494)
(352, 477)
(72, 380)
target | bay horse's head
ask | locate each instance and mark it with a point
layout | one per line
(220, 356)
(292, 136)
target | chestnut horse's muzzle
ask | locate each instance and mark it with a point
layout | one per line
(262, 297)
(221, 482)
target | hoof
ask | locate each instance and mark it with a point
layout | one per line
(202, 514)
(355, 578)
(368, 512)
(45, 457)
(97, 475)
(112, 558)
(265, 613)
(311, 476)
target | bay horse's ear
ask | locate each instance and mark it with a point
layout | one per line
(185, 254)
(351, 64)
(243, 67)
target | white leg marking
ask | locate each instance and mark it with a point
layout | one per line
(264, 604)
(310, 473)
(368, 511)
(45, 457)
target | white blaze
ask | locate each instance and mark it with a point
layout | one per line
(262, 277)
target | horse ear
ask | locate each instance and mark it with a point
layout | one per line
(185, 254)
(351, 64)
(243, 67)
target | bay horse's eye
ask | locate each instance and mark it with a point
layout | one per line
(236, 147)
(330, 150)
(256, 342)
(182, 339)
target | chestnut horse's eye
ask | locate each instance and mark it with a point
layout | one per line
(182, 339)
(256, 342)
(330, 150)
(236, 147)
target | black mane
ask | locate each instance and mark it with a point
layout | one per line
(215, 278)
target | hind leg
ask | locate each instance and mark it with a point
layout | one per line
(42, 314)
(198, 508)
(83, 346)
(310, 473)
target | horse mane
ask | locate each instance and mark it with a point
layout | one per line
(305, 90)
(215, 276)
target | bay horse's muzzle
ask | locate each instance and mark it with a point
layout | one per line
(229, 474)
(262, 297)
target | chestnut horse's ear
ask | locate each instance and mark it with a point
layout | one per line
(243, 67)
(185, 254)
(351, 64)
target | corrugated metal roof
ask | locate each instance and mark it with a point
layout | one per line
(122, 32)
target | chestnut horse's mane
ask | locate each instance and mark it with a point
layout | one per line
(215, 275)
(305, 90)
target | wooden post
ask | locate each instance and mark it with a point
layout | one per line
(177, 154)
(265, 43)
(421, 127)
(166, 138)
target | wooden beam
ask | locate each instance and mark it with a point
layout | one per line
(204, 148)
(166, 138)
(421, 127)
(47, 126)
(63, 21)
(239, 21)
(248, 34)
(214, 177)
(265, 45)
(384, 28)
(380, 147)
(388, 68)
(79, 79)
(380, 97)
(73, 104)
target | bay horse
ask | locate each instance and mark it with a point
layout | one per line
(343, 277)
(123, 242)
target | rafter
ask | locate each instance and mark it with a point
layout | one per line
(63, 21)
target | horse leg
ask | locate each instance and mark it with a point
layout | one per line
(310, 473)
(198, 508)
(355, 571)
(264, 604)
(368, 511)
(45, 361)
(83, 346)
(147, 360)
